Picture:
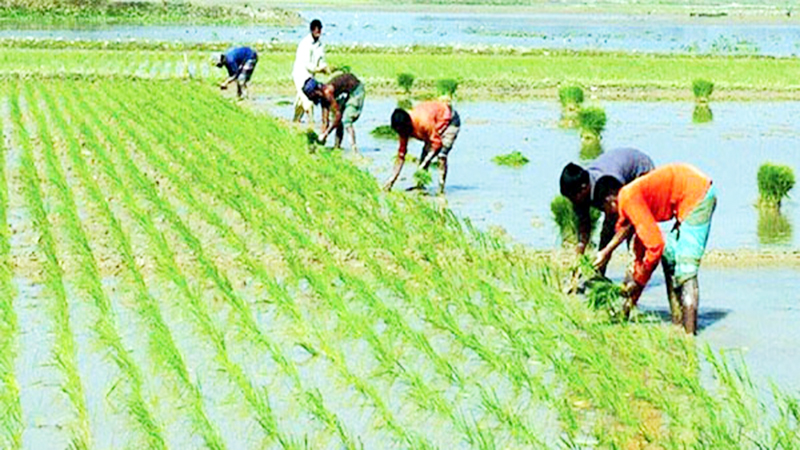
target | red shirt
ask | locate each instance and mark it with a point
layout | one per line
(668, 192)
(429, 120)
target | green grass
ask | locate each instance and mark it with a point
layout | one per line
(513, 159)
(567, 221)
(328, 313)
(26, 14)
(570, 95)
(702, 89)
(774, 183)
(487, 73)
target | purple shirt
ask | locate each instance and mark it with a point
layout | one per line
(622, 164)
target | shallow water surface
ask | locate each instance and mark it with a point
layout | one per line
(742, 136)
(618, 32)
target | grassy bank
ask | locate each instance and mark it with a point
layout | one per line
(252, 294)
(24, 14)
(482, 72)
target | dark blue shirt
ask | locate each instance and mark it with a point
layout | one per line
(236, 57)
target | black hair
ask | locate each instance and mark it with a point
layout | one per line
(401, 122)
(604, 187)
(222, 60)
(573, 179)
(316, 24)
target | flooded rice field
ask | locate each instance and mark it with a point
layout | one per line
(742, 136)
(643, 33)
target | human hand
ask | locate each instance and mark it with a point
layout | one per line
(601, 259)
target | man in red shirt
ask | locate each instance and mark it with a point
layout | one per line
(434, 123)
(678, 191)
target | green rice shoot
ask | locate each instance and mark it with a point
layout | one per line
(513, 159)
(774, 183)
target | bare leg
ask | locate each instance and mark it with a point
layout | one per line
(690, 298)
(673, 294)
(443, 172)
(239, 89)
(337, 143)
(298, 110)
(351, 130)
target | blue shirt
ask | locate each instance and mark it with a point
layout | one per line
(236, 57)
(622, 164)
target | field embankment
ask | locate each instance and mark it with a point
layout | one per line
(486, 72)
(196, 278)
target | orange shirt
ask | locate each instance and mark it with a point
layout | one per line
(668, 192)
(429, 120)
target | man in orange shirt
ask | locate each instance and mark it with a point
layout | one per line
(678, 191)
(434, 123)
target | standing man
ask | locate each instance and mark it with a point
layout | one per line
(344, 95)
(240, 63)
(309, 61)
(678, 191)
(615, 169)
(436, 124)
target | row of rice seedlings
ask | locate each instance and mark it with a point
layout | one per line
(352, 282)
(340, 305)
(161, 341)
(10, 408)
(256, 396)
(64, 353)
(88, 278)
(245, 317)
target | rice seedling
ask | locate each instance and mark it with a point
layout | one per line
(447, 87)
(571, 98)
(702, 90)
(567, 221)
(592, 122)
(422, 177)
(383, 132)
(405, 81)
(774, 183)
(513, 159)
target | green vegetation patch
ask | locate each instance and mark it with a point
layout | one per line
(702, 89)
(383, 132)
(447, 87)
(140, 12)
(513, 159)
(774, 183)
(570, 95)
(405, 81)
(567, 221)
(592, 119)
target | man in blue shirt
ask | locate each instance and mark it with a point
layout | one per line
(240, 63)
(589, 187)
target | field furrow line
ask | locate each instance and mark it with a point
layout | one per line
(11, 425)
(48, 281)
(125, 387)
(427, 398)
(161, 340)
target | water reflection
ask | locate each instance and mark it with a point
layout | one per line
(773, 227)
(702, 113)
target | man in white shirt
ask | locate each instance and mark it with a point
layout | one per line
(309, 61)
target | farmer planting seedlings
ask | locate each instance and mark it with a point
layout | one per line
(309, 60)
(674, 191)
(344, 96)
(240, 63)
(436, 124)
(587, 188)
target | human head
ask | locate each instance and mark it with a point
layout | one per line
(401, 122)
(605, 192)
(575, 183)
(316, 29)
(221, 61)
(312, 89)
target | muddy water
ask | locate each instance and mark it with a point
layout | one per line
(752, 311)
(729, 149)
(573, 31)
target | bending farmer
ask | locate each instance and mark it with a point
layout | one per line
(309, 60)
(240, 63)
(344, 95)
(434, 123)
(614, 169)
(677, 191)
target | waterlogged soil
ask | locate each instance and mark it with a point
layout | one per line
(752, 312)
(612, 32)
(741, 136)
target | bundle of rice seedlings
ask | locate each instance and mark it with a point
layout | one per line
(774, 183)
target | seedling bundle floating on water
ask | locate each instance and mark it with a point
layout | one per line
(592, 122)
(513, 159)
(447, 87)
(571, 98)
(383, 132)
(774, 183)
(702, 90)
(405, 81)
